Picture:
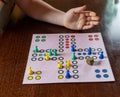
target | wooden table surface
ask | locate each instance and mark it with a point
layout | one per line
(15, 43)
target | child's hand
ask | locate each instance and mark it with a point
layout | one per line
(79, 19)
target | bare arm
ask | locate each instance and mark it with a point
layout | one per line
(40, 10)
(75, 18)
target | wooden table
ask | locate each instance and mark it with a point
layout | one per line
(14, 49)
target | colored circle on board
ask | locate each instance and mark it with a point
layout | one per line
(84, 53)
(40, 54)
(93, 49)
(61, 46)
(86, 49)
(61, 58)
(79, 53)
(60, 71)
(74, 62)
(99, 49)
(75, 71)
(90, 36)
(75, 76)
(104, 70)
(37, 36)
(97, 70)
(105, 75)
(98, 76)
(67, 36)
(61, 40)
(94, 53)
(61, 50)
(43, 40)
(96, 35)
(39, 72)
(43, 36)
(91, 39)
(61, 43)
(34, 55)
(73, 36)
(42, 51)
(67, 68)
(81, 57)
(40, 58)
(80, 50)
(54, 58)
(61, 36)
(94, 57)
(33, 59)
(30, 77)
(60, 77)
(75, 66)
(96, 39)
(37, 40)
(87, 57)
(38, 77)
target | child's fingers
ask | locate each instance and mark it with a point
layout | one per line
(79, 9)
(93, 18)
(88, 13)
(87, 27)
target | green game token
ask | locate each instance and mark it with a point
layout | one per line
(43, 36)
(37, 40)
(37, 36)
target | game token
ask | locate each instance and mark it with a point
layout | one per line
(67, 58)
(90, 61)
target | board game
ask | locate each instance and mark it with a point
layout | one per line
(67, 58)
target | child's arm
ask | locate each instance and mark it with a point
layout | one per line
(76, 18)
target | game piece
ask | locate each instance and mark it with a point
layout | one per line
(36, 49)
(73, 48)
(50, 52)
(68, 64)
(55, 52)
(49, 69)
(89, 51)
(47, 57)
(90, 61)
(59, 64)
(101, 55)
(67, 74)
(73, 56)
(30, 71)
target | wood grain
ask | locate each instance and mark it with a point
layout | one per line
(14, 49)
